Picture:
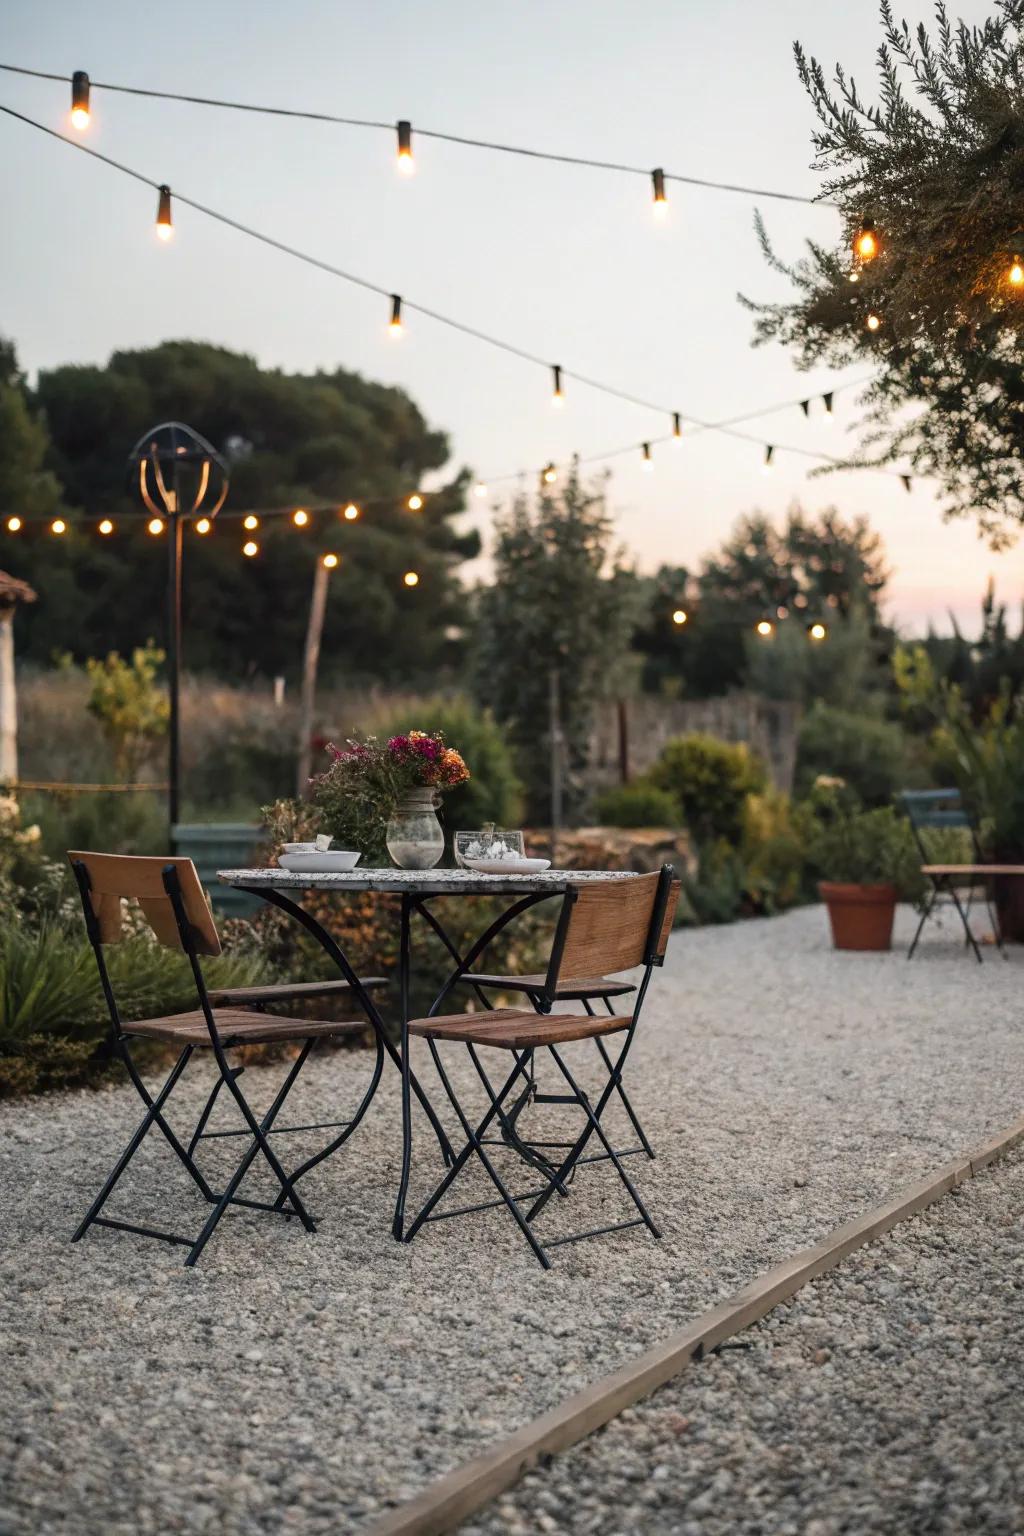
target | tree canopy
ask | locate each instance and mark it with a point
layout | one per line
(292, 440)
(937, 167)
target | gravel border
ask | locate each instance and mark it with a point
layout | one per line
(307, 1383)
(885, 1398)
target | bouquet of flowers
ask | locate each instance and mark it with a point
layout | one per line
(365, 780)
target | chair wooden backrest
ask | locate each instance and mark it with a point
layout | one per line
(614, 925)
(111, 878)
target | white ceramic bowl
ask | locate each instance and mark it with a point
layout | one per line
(507, 866)
(337, 862)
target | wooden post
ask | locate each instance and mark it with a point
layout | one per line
(310, 659)
(555, 733)
(622, 710)
(12, 592)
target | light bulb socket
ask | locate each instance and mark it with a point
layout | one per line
(645, 449)
(769, 455)
(658, 183)
(404, 139)
(677, 424)
(826, 401)
(396, 312)
(805, 406)
(163, 209)
(556, 383)
(80, 92)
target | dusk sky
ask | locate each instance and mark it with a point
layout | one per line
(563, 261)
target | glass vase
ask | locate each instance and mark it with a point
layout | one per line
(414, 837)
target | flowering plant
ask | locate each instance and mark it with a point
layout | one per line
(364, 781)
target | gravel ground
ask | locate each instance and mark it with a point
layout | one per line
(884, 1399)
(296, 1382)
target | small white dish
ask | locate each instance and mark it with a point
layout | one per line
(507, 866)
(309, 862)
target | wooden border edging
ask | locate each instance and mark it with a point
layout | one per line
(452, 1498)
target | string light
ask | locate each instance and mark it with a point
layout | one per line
(549, 474)
(106, 526)
(648, 462)
(251, 521)
(660, 200)
(13, 524)
(351, 512)
(865, 242)
(164, 226)
(415, 502)
(250, 548)
(411, 579)
(1016, 273)
(765, 628)
(873, 321)
(826, 401)
(330, 562)
(395, 323)
(58, 525)
(557, 397)
(680, 616)
(769, 457)
(817, 631)
(300, 517)
(406, 163)
(155, 526)
(480, 489)
(204, 525)
(80, 100)
(677, 426)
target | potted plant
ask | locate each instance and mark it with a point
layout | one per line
(867, 862)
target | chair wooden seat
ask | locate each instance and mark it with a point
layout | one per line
(515, 1029)
(571, 989)
(286, 991)
(238, 1026)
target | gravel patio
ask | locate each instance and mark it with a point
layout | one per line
(305, 1383)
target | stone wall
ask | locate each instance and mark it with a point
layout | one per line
(631, 733)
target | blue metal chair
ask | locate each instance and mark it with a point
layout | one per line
(931, 810)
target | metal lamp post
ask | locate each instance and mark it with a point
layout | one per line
(178, 476)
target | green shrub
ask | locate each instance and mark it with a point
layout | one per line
(873, 756)
(54, 1024)
(639, 804)
(857, 847)
(99, 823)
(774, 850)
(711, 780)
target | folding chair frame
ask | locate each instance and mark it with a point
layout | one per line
(944, 884)
(526, 1207)
(288, 1202)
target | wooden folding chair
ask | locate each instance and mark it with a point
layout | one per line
(174, 904)
(605, 926)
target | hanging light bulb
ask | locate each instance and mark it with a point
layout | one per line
(204, 525)
(854, 277)
(80, 100)
(330, 562)
(250, 548)
(155, 526)
(411, 579)
(1016, 273)
(58, 525)
(648, 462)
(769, 458)
(106, 526)
(826, 401)
(480, 489)
(865, 241)
(164, 226)
(677, 426)
(395, 323)
(765, 628)
(415, 502)
(549, 474)
(680, 617)
(251, 521)
(557, 397)
(873, 321)
(660, 200)
(817, 631)
(351, 512)
(300, 517)
(13, 524)
(406, 163)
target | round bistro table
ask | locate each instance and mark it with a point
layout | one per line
(416, 888)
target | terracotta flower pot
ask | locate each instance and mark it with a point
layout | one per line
(861, 915)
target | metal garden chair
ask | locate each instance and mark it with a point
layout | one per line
(932, 810)
(175, 906)
(613, 926)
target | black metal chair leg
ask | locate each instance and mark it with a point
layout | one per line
(627, 1106)
(925, 915)
(148, 1119)
(969, 936)
(208, 1107)
(594, 1120)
